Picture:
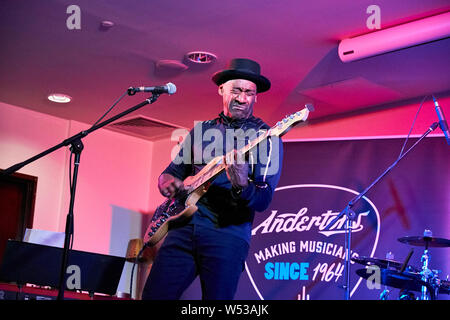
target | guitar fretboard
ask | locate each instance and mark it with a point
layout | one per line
(217, 165)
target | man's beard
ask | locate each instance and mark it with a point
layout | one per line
(240, 111)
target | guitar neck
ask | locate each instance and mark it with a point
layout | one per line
(217, 165)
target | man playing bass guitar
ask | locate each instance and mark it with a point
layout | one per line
(213, 242)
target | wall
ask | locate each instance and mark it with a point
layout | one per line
(113, 181)
(114, 172)
(395, 121)
(113, 188)
(25, 133)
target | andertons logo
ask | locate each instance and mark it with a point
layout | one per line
(300, 222)
(292, 256)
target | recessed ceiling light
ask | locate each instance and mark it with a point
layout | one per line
(107, 24)
(59, 98)
(201, 57)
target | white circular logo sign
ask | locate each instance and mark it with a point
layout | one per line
(292, 254)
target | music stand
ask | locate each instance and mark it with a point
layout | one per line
(38, 264)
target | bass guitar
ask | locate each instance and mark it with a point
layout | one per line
(183, 205)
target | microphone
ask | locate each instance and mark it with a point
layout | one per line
(169, 88)
(442, 122)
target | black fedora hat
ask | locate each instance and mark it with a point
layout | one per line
(243, 69)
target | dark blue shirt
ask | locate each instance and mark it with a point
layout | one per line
(221, 207)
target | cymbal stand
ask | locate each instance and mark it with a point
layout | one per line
(385, 294)
(425, 259)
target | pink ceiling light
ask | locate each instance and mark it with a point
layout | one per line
(395, 38)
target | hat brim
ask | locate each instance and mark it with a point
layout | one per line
(262, 83)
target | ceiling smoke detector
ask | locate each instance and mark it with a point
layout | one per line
(201, 57)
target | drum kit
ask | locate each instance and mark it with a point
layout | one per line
(405, 277)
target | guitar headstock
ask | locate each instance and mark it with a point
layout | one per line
(284, 125)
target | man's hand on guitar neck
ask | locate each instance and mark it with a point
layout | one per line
(237, 169)
(169, 186)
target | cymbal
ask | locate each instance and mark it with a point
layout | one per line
(382, 263)
(392, 278)
(405, 280)
(425, 241)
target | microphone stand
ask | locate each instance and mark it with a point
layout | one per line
(76, 148)
(351, 215)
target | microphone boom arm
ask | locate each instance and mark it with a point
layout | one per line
(351, 214)
(363, 193)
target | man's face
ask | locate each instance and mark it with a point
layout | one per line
(238, 98)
